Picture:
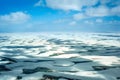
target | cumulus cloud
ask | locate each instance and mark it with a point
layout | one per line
(79, 16)
(99, 20)
(88, 22)
(115, 2)
(103, 11)
(14, 18)
(72, 23)
(105, 1)
(67, 4)
(98, 11)
(40, 3)
(85, 8)
(116, 10)
(60, 21)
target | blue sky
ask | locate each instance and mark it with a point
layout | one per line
(59, 15)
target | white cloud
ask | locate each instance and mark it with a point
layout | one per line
(60, 21)
(79, 16)
(73, 23)
(14, 18)
(98, 11)
(88, 22)
(40, 3)
(115, 2)
(92, 12)
(68, 4)
(105, 1)
(115, 11)
(89, 11)
(110, 2)
(99, 20)
(102, 11)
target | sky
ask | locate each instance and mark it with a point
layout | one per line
(59, 15)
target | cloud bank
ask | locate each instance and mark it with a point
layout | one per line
(85, 8)
(67, 4)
